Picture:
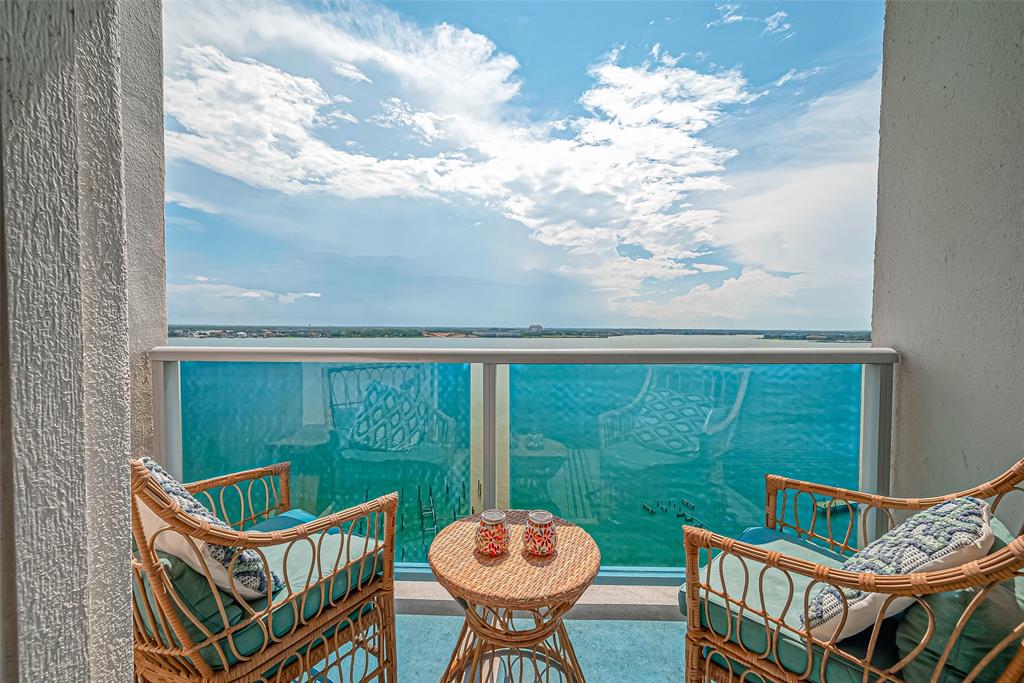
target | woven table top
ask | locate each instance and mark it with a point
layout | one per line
(515, 579)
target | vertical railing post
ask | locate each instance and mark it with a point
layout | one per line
(876, 434)
(490, 386)
(502, 434)
(489, 436)
(167, 415)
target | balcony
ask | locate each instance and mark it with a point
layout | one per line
(83, 285)
(630, 444)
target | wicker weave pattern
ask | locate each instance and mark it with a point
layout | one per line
(243, 498)
(779, 569)
(516, 579)
(361, 643)
(514, 603)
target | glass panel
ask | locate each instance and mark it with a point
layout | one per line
(351, 431)
(631, 452)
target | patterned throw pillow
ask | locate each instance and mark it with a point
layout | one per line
(249, 573)
(389, 419)
(671, 422)
(945, 535)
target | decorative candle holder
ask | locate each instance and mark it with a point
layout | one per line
(492, 533)
(539, 536)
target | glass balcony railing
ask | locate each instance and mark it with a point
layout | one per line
(632, 452)
(630, 445)
(351, 431)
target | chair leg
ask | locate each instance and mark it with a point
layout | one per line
(694, 662)
(387, 606)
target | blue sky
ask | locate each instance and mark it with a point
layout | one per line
(505, 163)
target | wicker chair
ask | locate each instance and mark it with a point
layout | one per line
(188, 629)
(743, 598)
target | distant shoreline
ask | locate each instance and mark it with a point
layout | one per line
(536, 332)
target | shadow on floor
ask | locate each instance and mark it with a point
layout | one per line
(609, 651)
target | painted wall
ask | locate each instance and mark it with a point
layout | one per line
(103, 310)
(949, 254)
(65, 413)
(139, 25)
(44, 425)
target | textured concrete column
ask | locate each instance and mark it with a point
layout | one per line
(139, 28)
(949, 279)
(65, 591)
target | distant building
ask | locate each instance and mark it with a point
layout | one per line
(496, 333)
(536, 328)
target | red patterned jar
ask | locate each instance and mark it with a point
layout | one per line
(539, 537)
(492, 533)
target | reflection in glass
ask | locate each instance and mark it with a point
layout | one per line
(633, 452)
(352, 432)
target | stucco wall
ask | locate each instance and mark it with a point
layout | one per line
(45, 425)
(949, 257)
(139, 29)
(104, 320)
(64, 329)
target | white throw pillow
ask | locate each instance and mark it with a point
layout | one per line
(249, 570)
(945, 535)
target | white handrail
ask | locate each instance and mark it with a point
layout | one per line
(505, 356)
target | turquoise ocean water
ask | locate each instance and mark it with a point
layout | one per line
(599, 445)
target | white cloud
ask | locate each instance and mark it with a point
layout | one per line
(424, 125)
(813, 216)
(189, 202)
(798, 75)
(257, 123)
(208, 290)
(362, 36)
(709, 267)
(631, 169)
(349, 71)
(775, 23)
(744, 297)
(729, 14)
(624, 173)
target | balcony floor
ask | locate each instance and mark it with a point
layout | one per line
(610, 651)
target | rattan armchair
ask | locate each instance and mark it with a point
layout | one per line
(334, 617)
(736, 630)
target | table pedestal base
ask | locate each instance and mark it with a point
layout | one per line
(490, 650)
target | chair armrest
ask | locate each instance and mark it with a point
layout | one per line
(386, 505)
(266, 490)
(1002, 484)
(783, 496)
(777, 483)
(999, 566)
(281, 469)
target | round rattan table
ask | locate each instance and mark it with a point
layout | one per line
(514, 603)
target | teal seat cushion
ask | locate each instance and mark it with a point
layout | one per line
(999, 613)
(759, 535)
(792, 654)
(196, 597)
(286, 520)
